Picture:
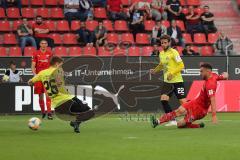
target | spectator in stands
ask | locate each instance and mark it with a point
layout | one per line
(220, 46)
(100, 3)
(193, 22)
(175, 33)
(115, 10)
(85, 35)
(41, 31)
(155, 51)
(208, 21)
(12, 75)
(187, 51)
(86, 10)
(71, 10)
(136, 20)
(158, 10)
(174, 10)
(12, 3)
(144, 6)
(100, 34)
(25, 34)
(157, 32)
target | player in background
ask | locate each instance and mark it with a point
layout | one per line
(197, 108)
(172, 65)
(67, 106)
(40, 61)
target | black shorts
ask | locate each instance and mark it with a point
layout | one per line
(176, 88)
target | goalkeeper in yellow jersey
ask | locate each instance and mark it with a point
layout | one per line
(67, 106)
(171, 64)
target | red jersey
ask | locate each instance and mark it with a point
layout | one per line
(42, 60)
(41, 26)
(208, 91)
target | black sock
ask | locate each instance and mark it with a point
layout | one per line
(166, 106)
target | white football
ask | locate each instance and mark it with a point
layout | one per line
(34, 123)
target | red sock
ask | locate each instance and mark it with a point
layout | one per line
(167, 117)
(190, 125)
(41, 104)
(48, 104)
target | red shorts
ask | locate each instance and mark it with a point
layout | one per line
(39, 88)
(194, 111)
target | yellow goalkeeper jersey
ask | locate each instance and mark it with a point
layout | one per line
(170, 62)
(53, 81)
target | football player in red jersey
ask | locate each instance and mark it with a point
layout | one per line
(197, 108)
(40, 61)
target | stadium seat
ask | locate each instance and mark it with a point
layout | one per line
(44, 12)
(179, 49)
(199, 10)
(112, 38)
(102, 51)
(1, 38)
(187, 38)
(37, 2)
(9, 38)
(91, 25)
(108, 25)
(120, 25)
(28, 13)
(25, 2)
(118, 51)
(165, 23)
(61, 2)
(2, 13)
(62, 26)
(31, 22)
(207, 51)
(134, 51)
(56, 37)
(195, 48)
(142, 39)
(180, 24)
(3, 52)
(13, 12)
(15, 52)
(51, 2)
(60, 51)
(75, 25)
(149, 24)
(89, 51)
(51, 25)
(183, 2)
(100, 13)
(212, 37)
(125, 2)
(193, 2)
(127, 38)
(185, 11)
(69, 38)
(147, 51)
(5, 26)
(28, 51)
(199, 38)
(56, 13)
(15, 24)
(75, 51)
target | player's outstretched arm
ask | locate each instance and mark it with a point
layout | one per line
(213, 108)
(224, 75)
(36, 78)
(157, 69)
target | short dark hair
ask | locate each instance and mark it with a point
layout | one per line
(12, 63)
(165, 37)
(55, 59)
(38, 16)
(206, 65)
(206, 6)
(43, 40)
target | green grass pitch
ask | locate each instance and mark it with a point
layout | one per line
(110, 138)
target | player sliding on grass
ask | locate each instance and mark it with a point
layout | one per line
(67, 106)
(197, 108)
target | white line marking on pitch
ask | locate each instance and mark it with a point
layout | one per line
(130, 137)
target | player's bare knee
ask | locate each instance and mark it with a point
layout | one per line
(164, 97)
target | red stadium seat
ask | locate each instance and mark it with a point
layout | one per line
(56, 37)
(13, 12)
(142, 38)
(207, 51)
(187, 38)
(102, 51)
(91, 25)
(185, 11)
(28, 13)
(180, 24)
(51, 2)
(149, 24)
(199, 38)
(31, 22)
(195, 48)
(134, 51)
(127, 38)
(69, 38)
(15, 24)
(5, 26)
(3, 52)
(62, 26)
(37, 2)
(165, 23)
(60, 51)
(2, 13)
(100, 13)
(199, 10)
(183, 2)
(121, 25)
(212, 37)
(9, 38)
(56, 13)
(25, 2)
(125, 2)
(118, 51)
(147, 51)
(28, 51)
(51, 25)
(75, 25)
(179, 49)
(75, 51)
(44, 12)
(89, 51)
(15, 52)
(61, 2)
(112, 38)
(193, 2)
(108, 25)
